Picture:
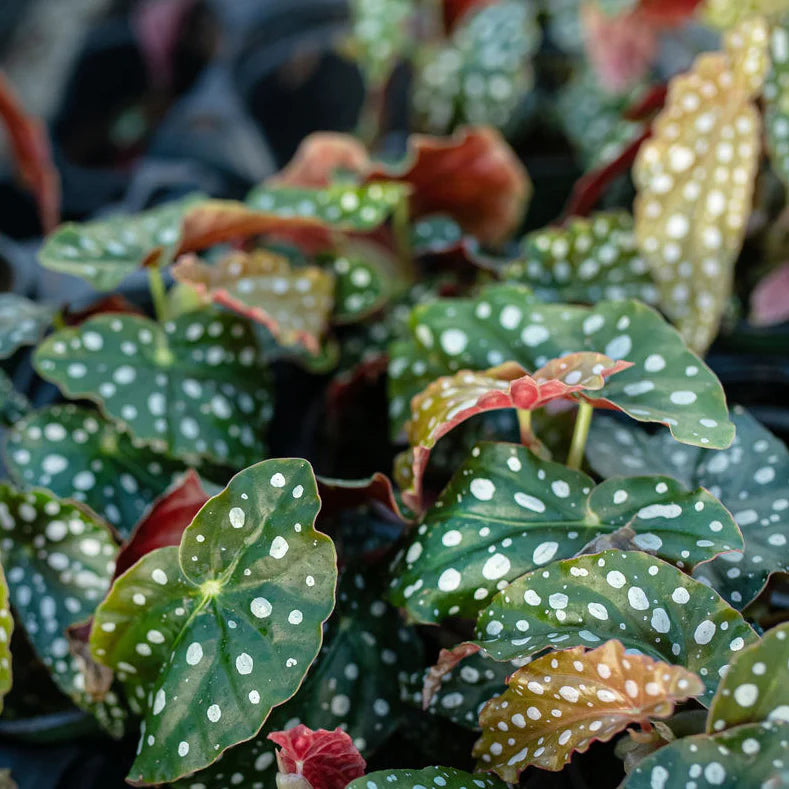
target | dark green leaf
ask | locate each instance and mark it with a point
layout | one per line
(754, 688)
(667, 384)
(58, 560)
(13, 405)
(77, 454)
(637, 599)
(751, 478)
(22, 322)
(225, 627)
(506, 512)
(106, 251)
(190, 387)
(586, 261)
(445, 777)
(753, 755)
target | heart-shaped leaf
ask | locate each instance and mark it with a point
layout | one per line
(484, 72)
(326, 759)
(354, 684)
(473, 177)
(585, 261)
(695, 179)
(78, 454)
(6, 630)
(105, 251)
(746, 756)
(22, 322)
(751, 478)
(58, 560)
(292, 303)
(451, 400)
(643, 602)
(561, 702)
(189, 387)
(754, 688)
(164, 523)
(340, 206)
(381, 34)
(507, 512)
(223, 628)
(446, 777)
(776, 96)
(667, 383)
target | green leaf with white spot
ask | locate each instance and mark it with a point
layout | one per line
(585, 261)
(13, 404)
(105, 251)
(637, 599)
(340, 206)
(58, 559)
(752, 755)
(224, 627)
(77, 454)
(190, 387)
(667, 383)
(776, 97)
(6, 630)
(751, 478)
(755, 687)
(435, 234)
(483, 73)
(429, 777)
(380, 35)
(354, 684)
(22, 322)
(506, 512)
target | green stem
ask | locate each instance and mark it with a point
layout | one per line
(158, 293)
(581, 432)
(58, 322)
(368, 128)
(524, 422)
(401, 227)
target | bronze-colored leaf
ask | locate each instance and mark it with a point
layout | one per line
(563, 701)
(319, 156)
(293, 303)
(695, 180)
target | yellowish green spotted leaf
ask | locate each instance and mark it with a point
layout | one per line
(6, 629)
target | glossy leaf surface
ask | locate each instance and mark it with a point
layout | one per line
(751, 479)
(292, 303)
(754, 689)
(506, 512)
(637, 599)
(58, 560)
(667, 383)
(78, 454)
(751, 755)
(224, 627)
(560, 703)
(189, 387)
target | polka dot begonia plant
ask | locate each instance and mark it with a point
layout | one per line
(334, 499)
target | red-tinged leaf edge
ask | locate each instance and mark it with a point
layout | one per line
(648, 105)
(319, 157)
(327, 759)
(115, 303)
(589, 188)
(165, 521)
(770, 298)
(32, 154)
(455, 10)
(343, 494)
(447, 660)
(525, 392)
(668, 13)
(473, 176)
